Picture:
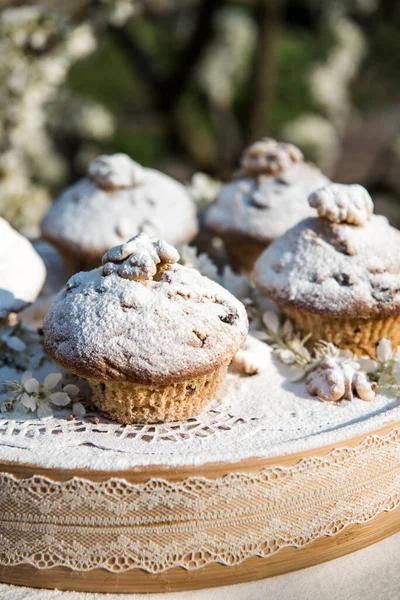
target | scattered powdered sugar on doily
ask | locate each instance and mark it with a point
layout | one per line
(262, 415)
(109, 434)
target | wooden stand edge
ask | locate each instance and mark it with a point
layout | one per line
(209, 470)
(351, 539)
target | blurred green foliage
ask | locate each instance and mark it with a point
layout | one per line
(299, 49)
(107, 77)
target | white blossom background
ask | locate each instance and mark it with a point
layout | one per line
(185, 85)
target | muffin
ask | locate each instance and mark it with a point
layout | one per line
(268, 197)
(154, 338)
(22, 272)
(118, 199)
(337, 276)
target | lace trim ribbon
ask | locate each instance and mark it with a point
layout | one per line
(157, 525)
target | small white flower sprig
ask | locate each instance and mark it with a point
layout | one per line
(30, 396)
(203, 190)
(332, 374)
(289, 347)
(239, 285)
(385, 371)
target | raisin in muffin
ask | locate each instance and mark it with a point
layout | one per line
(154, 338)
(268, 197)
(22, 272)
(118, 199)
(338, 275)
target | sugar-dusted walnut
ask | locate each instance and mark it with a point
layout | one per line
(115, 171)
(341, 203)
(139, 259)
(269, 157)
(334, 381)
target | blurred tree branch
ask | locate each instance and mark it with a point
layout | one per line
(269, 17)
(138, 59)
(194, 51)
(167, 90)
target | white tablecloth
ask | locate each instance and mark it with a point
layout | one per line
(369, 574)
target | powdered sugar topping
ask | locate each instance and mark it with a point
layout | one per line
(115, 172)
(141, 258)
(334, 269)
(340, 203)
(183, 324)
(270, 157)
(87, 220)
(269, 194)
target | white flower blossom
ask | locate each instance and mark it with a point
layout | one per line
(14, 343)
(203, 189)
(41, 398)
(38, 45)
(293, 372)
(330, 82)
(368, 365)
(201, 262)
(317, 137)
(119, 11)
(225, 64)
(384, 350)
(81, 41)
(286, 356)
(78, 409)
(271, 320)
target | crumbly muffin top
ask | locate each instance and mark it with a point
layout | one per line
(268, 156)
(118, 199)
(345, 263)
(22, 271)
(143, 318)
(269, 195)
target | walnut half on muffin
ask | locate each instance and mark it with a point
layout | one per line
(338, 275)
(153, 337)
(268, 197)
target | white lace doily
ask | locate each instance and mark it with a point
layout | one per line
(258, 416)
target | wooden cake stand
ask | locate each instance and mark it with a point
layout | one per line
(268, 480)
